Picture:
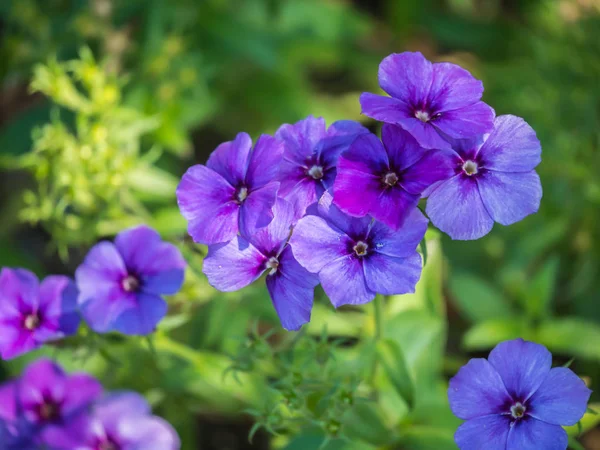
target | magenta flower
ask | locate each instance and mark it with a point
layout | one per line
(234, 192)
(31, 313)
(494, 181)
(240, 262)
(310, 158)
(429, 98)
(514, 400)
(356, 258)
(386, 180)
(121, 285)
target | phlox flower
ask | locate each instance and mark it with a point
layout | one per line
(234, 192)
(32, 313)
(515, 400)
(121, 284)
(356, 258)
(427, 99)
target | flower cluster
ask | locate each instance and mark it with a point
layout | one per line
(515, 400)
(47, 408)
(339, 207)
(118, 287)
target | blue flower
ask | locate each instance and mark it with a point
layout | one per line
(514, 400)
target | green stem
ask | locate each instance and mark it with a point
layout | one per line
(378, 305)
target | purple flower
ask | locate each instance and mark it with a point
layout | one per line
(357, 258)
(120, 421)
(514, 400)
(237, 264)
(310, 157)
(494, 181)
(235, 191)
(386, 181)
(428, 98)
(32, 313)
(121, 284)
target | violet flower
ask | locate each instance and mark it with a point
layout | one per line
(310, 158)
(234, 192)
(356, 258)
(494, 181)
(514, 400)
(427, 98)
(121, 284)
(31, 313)
(386, 180)
(240, 262)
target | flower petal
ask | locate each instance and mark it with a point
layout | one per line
(389, 275)
(302, 195)
(343, 281)
(101, 310)
(466, 122)
(271, 238)
(477, 390)
(434, 166)
(230, 159)
(406, 76)
(102, 270)
(352, 226)
(456, 208)
(402, 148)
(143, 318)
(425, 133)
(340, 135)
(510, 197)
(401, 243)
(512, 146)
(487, 432)
(234, 265)
(384, 109)
(534, 434)
(58, 304)
(301, 139)
(18, 288)
(257, 210)
(453, 87)
(265, 161)
(148, 433)
(522, 365)
(394, 206)
(561, 399)
(80, 391)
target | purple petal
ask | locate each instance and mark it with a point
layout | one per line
(536, 435)
(340, 135)
(230, 159)
(147, 433)
(510, 197)
(272, 237)
(101, 311)
(477, 390)
(466, 122)
(265, 161)
(206, 201)
(522, 366)
(343, 281)
(456, 208)
(453, 87)
(18, 288)
(16, 342)
(389, 275)
(234, 265)
(58, 304)
(292, 291)
(402, 148)
(315, 244)
(143, 318)
(488, 432)
(8, 402)
(352, 226)
(257, 210)
(401, 243)
(561, 399)
(384, 109)
(512, 146)
(406, 76)
(301, 139)
(394, 206)
(425, 133)
(436, 165)
(121, 403)
(80, 391)
(302, 195)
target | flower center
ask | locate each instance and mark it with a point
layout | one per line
(31, 322)
(49, 411)
(361, 248)
(470, 167)
(130, 283)
(273, 264)
(423, 116)
(518, 410)
(390, 178)
(316, 172)
(241, 194)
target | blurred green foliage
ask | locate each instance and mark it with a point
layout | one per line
(104, 103)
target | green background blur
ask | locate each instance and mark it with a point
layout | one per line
(205, 70)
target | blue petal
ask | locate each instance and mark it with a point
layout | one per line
(487, 432)
(531, 434)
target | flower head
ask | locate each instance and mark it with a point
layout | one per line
(237, 264)
(234, 192)
(429, 98)
(32, 313)
(386, 180)
(310, 158)
(356, 258)
(494, 181)
(514, 400)
(121, 284)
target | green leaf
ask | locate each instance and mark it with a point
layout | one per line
(571, 336)
(427, 438)
(364, 422)
(541, 289)
(476, 299)
(153, 183)
(394, 364)
(487, 334)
